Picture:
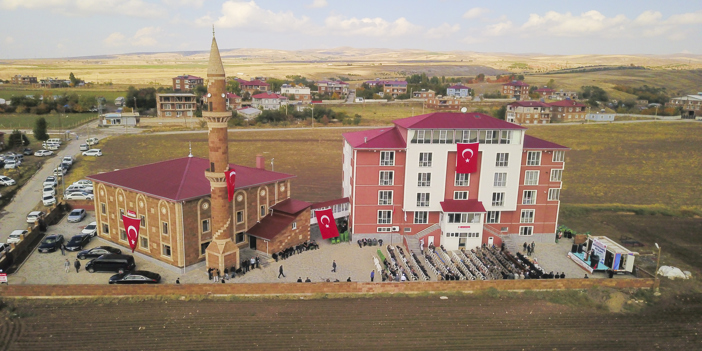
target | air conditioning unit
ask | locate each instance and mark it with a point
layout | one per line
(395, 229)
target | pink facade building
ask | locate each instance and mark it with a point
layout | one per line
(402, 184)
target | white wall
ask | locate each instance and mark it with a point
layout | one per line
(347, 169)
(488, 170)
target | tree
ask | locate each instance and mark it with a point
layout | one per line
(25, 140)
(40, 130)
(74, 81)
(551, 84)
(501, 112)
(15, 139)
(233, 86)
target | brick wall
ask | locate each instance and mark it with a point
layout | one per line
(289, 237)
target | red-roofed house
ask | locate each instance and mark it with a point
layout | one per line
(172, 198)
(186, 82)
(545, 92)
(390, 87)
(516, 89)
(402, 184)
(528, 112)
(253, 85)
(268, 101)
(233, 101)
(333, 86)
(423, 94)
(444, 103)
(568, 111)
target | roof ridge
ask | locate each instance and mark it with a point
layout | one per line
(182, 179)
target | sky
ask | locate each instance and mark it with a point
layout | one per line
(70, 28)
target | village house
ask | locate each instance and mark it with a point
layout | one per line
(567, 111)
(176, 105)
(233, 101)
(268, 101)
(248, 113)
(458, 90)
(52, 83)
(563, 95)
(299, 93)
(448, 103)
(545, 92)
(23, 80)
(120, 119)
(331, 87)
(691, 105)
(253, 85)
(186, 82)
(528, 112)
(423, 94)
(516, 89)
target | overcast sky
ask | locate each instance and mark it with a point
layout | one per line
(64, 28)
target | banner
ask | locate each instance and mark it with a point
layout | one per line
(230, 175)
(131, 226)
(466, 158)
(326, 223)
(600, 249)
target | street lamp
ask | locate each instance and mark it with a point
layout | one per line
(658, 264)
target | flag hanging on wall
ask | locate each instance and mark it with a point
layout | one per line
(131, 226)
(230, 176)
(326, 223)
(466, 158)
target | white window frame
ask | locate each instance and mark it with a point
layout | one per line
(502, 159)
(498, 199)
(424, 180)
(558, 156)
(384, 217)
(462, 182)
(460, 195)
(386, 178)
(533, 158)
(500, 180)
(531, 199)
(528, 180)
(558, 178)
(492, 217)
(527, 216)
(208, 223)
(526, 230)
(294, 225)
(387, 158)
(163, 250)
(385, 197)
(425, 159)
(421, 217)
(556, 197)
(423, 199)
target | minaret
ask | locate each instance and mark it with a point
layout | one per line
(222, 252)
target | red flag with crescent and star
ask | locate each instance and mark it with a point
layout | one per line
(466, 158)
(131, 226)
(230, 175)
(327, 224)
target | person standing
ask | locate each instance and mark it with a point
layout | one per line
(63, 250)
(525, 246)
(209, 273)
(372, 275)
(252, 263)
(67, 265)
(533, 247)
(177, 281)
(258, 262)
(226, 273)
(77, 265)
(280, 272)
(334, 266)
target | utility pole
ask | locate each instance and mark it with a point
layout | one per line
(312, 115)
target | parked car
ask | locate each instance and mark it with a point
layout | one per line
(78, 196)
(7, 181)
(92, 141)
(76, 215)
(35, 216)
(19, 157)
(48, 200)
(75, 188)
(50, 181)
(111, 263)
(83, 182)
(4, 248)
(52, 146)
(59, 171)
(67, 159)
(11, 164)
(41, 153)
(49, 190)
(93, 152)
(84, 147)
(51, 243)
(78, 242)
(27, 151)
(16, 236)
(136, 277)
(90, 229)
(98, 251)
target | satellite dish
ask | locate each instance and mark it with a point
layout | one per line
(209, 95)
(464, 109)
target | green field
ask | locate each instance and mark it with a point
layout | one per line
(108, 92)
(54, 120)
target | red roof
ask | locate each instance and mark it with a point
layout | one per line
(567, 103)
(455, 120)
(529, 103)
(268, 95)
(386, 82)
(459, 87)
(255, 82)
(233, 96)
(516, 83)
(271, 226)
(332, 82)
(330, 203)
(181, 179)
(385, 138)
(291, 206)
(531, 142)
(462, 206)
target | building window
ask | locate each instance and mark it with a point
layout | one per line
(445, 137)
(463, 218)
(460, 195)
(143, 242)
(500, 180)
(533, 158)
(164, 230)
(505, 136)
(384, 217)
(425, 159)
(491, 136)
(558, 156)
(462, 179)
(502, 159)
(526, 230)
(142, 223)
(556, 175)
(240, 216)
(554, 194)
(122, 235)
(166, 250)
(387, 158)
(421, 217)
(262, 211)
(385, 197)
(105, 228)
(205, 225)
(492, 217)
(383, 229)
(527, 216)
(498, 199)
(294, 225)
(386, 177)
(423, 180)
(103, 208)
(531, 178)
(240, 237)
(529, 197)
(422, 199)
(469, 136)
(203, 248)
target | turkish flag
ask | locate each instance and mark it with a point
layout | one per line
(466, 158)
(131, 226)
(327, 224)
(230, 175)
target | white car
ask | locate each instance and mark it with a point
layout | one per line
(48, 200)
(11, 164)
(60, 171)
(7, 181)
(78, 196)
(41, 153)
(93, 152)
(84, 147)
(49, 190)
(68, 160)
(90, 229)
(50, 181)
(92, 141)
(76, 188)
(16, 236)
(83, 182)
(35, 216)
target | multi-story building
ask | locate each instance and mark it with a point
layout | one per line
(545, 92)
(423, 94)
(567, 111)
(186, 82)
(516, 89)
(176, 105)
(333, 86)
(448, 103)
(24, 80)
(390, 87)
(299, 93)
(403, 186)
(268, 101)
(691, 105)
(233, 101)
(528, 112)
(458, 90)
(53, 83)
(253, 85)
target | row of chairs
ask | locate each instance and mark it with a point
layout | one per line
(469, 264)
(443, 255)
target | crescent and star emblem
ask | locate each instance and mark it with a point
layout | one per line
(463, 154)
(328, 220)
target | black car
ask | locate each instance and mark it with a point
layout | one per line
(78, 242)
(136, 277)
(98, 251)
(51, 243)
(111, 263)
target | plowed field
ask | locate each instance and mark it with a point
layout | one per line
(407, 323)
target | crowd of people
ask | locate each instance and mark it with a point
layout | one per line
(369, 242)
(308, 245)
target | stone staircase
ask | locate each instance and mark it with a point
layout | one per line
(413, 240)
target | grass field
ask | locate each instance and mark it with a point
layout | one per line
(27, 120)
(110, 93)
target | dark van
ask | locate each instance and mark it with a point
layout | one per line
(111, 263)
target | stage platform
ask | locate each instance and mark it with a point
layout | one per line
(579, 258)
